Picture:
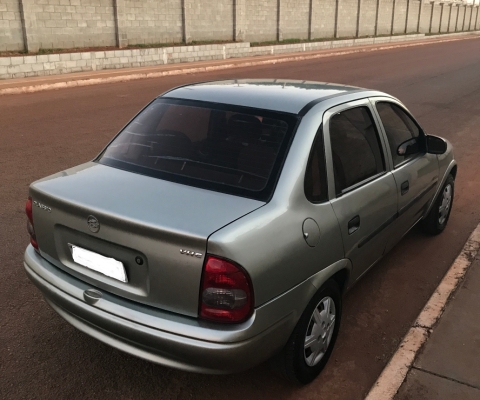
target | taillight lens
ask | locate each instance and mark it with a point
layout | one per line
(226, 294)
(30, 227)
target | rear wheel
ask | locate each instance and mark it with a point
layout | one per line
(436, 220)
(311, 343)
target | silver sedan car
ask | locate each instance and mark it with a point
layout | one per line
(223, 224)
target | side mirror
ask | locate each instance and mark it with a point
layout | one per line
(408, 148)
(436, 145)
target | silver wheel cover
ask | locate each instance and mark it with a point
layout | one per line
(445, 205)
(319, 331)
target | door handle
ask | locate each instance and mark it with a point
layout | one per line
(353, 224)
(404, 187)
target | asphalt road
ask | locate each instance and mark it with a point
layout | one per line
(42, 356)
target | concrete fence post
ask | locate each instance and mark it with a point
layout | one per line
(310, 17)
(24, 27)
(119, 15)
(470, 22)
(357, 28)
(420, 11)
(375, 32)
(29, 26)
(279, 28)
(449, 17)
(431, 16)
(441, 17)
(393, 17)
(476, 18)
(335, 27)
(239, 29)
(186, 36)
(406, 16)
(456, 21)
(464, 16)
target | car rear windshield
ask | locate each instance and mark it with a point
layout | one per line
(236, 150)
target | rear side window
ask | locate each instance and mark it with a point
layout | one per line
(399, 128)
(356, 150)
(233, 150)
(316, 175)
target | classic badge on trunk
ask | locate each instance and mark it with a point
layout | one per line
(93, 224)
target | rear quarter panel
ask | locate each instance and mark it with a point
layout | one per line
(269, 242)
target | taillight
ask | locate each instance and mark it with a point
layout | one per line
(30, 227)
(226, 293)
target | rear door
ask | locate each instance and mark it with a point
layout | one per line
(416, 175)
(362, 191)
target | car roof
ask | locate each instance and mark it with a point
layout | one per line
(283, 95)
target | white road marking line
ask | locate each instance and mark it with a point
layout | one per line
(392, 377)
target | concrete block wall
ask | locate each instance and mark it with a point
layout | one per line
(413, 14)
(425, 18)
(47, 24)
(347, 18)
(69, 23)
(260, 20)
(294, 15)
(323, 19)
(477, 18)
(209, 19)
(472, 19)
(435, 24)
(461, 14)
(400, 16)
(444, 18)
(11, 35)
(453, 17)
(385, 13)
(368, 12)
(468, 14)
(152, 21)
(461, 20)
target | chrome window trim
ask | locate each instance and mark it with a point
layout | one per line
(361, 183)
(409, 160)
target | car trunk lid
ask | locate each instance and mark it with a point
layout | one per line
(156, 228)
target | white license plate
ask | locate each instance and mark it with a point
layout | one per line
(105, 265)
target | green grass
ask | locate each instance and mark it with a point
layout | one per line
(294, 41)
(446, 33)
(51, 51)
(287, 41)
(176, 44)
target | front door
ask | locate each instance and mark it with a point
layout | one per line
(416, 174)
(361, 189)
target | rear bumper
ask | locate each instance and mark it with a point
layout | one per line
(123, 325)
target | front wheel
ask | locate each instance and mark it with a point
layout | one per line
(311, 343)
(436, 220)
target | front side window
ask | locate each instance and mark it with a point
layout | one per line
(229, 149)
(400, 129)
(356, 150)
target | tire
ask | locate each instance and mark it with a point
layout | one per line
(292, 362)
(436, 220)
